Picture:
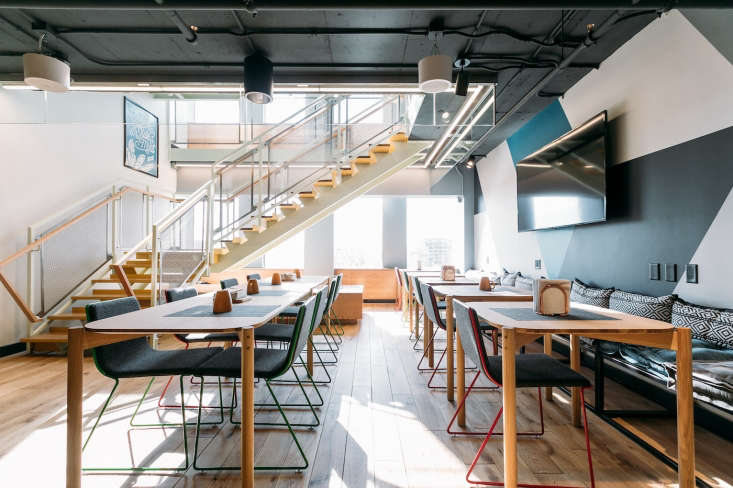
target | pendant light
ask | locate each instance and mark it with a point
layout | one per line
(46, 72)
(258, 78)
(435, 73)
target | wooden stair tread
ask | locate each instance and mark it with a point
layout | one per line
(68, 316)
(138, 263)
(108, 297)
(121, 293)
(289, 206)
(131, 278)
(47, 337)
(308, 194)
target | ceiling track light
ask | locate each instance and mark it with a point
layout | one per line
(462, 78)
(489, 101)
(258, 78)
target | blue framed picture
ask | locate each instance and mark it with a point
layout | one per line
(141, 139)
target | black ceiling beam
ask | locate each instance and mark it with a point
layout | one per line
(270, 5)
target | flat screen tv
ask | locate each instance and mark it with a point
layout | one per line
(564, 183)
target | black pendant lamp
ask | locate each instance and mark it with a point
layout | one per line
(258, 78)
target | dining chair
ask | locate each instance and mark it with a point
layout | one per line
(135, 358)
(181, 293)
(532, 371)
(228, 283)
(282, 333)
(398, 298)
(332, 313)
(269, 364)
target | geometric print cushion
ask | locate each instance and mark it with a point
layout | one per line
(524, 283)
(589, 295)
(657, 308)
(714, 325)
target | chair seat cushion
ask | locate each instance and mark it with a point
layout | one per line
(158, 362)
(538, 370)
(275, 332)
(219, 337)
(269, 363)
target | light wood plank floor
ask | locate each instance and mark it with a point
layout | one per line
(381, 427)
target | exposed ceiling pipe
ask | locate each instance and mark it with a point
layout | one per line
(589, 41)
(185, 29)
(269, 5)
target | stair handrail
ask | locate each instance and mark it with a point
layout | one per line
(57, 229)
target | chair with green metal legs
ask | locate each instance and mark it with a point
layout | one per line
(332, 313)
(136, 359)
(283, 334)
(269, 364)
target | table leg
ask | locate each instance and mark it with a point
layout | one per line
(685, 420)
(449, 329)
(309, 356)
(509, 392)
(575, 364)
(246, 337)
(460, 379)
(74, 390)
(547, 343)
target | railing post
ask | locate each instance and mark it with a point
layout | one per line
(115, 226)
(29, 292)
(209, 234)
(154, 267)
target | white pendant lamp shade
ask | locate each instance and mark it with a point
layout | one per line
(435, 73)
(46, 72)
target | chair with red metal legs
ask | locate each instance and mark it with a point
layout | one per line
(532, 371)
(435, 314)
(175, 294)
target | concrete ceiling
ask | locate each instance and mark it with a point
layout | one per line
(148, 46)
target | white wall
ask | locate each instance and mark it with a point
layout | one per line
(665, 86)
(57, 148)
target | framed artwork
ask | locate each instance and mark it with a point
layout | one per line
(141, 139)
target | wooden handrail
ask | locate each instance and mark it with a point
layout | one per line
(18, 300)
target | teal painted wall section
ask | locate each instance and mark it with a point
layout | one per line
(544, 127)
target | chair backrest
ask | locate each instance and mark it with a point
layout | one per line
(339, 277)
(107, 358)
(331, 294)
(430, 305)
(301, 331)
(228, 283)
(416, 290)
(175, 294)
(467, 326)
(398, 276)
(320, 308)
(254, 276)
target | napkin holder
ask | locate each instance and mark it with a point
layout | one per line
(297, 273)
(485, 284)
(276, 279)
(253, 287)
(551, 297)
(222, 301)
(448, 273)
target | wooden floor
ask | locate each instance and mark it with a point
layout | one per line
(381, 427)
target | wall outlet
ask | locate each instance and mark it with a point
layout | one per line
(654, 271)
(670, 272)
(537, 264)
(691, 272)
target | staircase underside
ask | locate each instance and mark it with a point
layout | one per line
(328, 200)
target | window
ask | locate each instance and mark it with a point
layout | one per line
(282, 107)
(358, 234)
(434, 232)
(288, 254)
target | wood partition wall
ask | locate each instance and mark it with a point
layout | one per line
(379, 284)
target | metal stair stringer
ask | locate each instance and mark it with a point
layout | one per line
(329, 200)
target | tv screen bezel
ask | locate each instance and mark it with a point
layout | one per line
(581, 127)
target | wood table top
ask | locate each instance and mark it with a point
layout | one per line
(469, 293)
(438, 281)
(156, 320)
(618, 322)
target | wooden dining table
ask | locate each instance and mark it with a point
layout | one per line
(519, 326)
(174, 318)
(467, 293)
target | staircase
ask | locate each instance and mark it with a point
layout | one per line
(301, 209)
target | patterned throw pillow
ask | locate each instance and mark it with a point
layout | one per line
(524, 283)
(714, 325)
(582, 293)
(509, 278)
(658, 308)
